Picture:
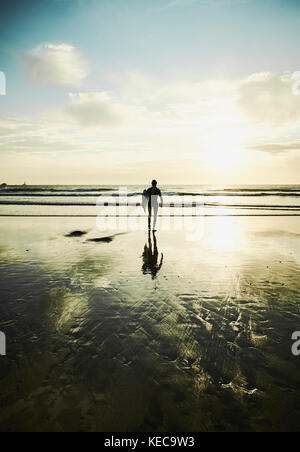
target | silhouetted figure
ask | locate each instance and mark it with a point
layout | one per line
(152, 196)
(151, 257)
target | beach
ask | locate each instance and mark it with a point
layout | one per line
(193, 336)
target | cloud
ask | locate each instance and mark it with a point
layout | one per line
(56, 64)
(13, 126)
(176, 99)
(94, 109)
(276, 148)
(269, 98)
(164, 119)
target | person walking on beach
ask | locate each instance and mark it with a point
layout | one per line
(152, 195)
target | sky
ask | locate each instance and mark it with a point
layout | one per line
(124, 91)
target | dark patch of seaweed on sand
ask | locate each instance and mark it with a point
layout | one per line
(101, 240)
(76, 234)
(107, 239)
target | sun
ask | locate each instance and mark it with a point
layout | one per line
(224, 150)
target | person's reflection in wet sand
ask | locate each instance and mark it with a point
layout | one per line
(151, 257)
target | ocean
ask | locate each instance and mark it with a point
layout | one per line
(83, 200)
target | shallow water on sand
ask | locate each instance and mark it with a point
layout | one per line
(109, 336)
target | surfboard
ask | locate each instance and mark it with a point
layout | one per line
(145, 201)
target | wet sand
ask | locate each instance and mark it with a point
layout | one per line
(104, 334)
